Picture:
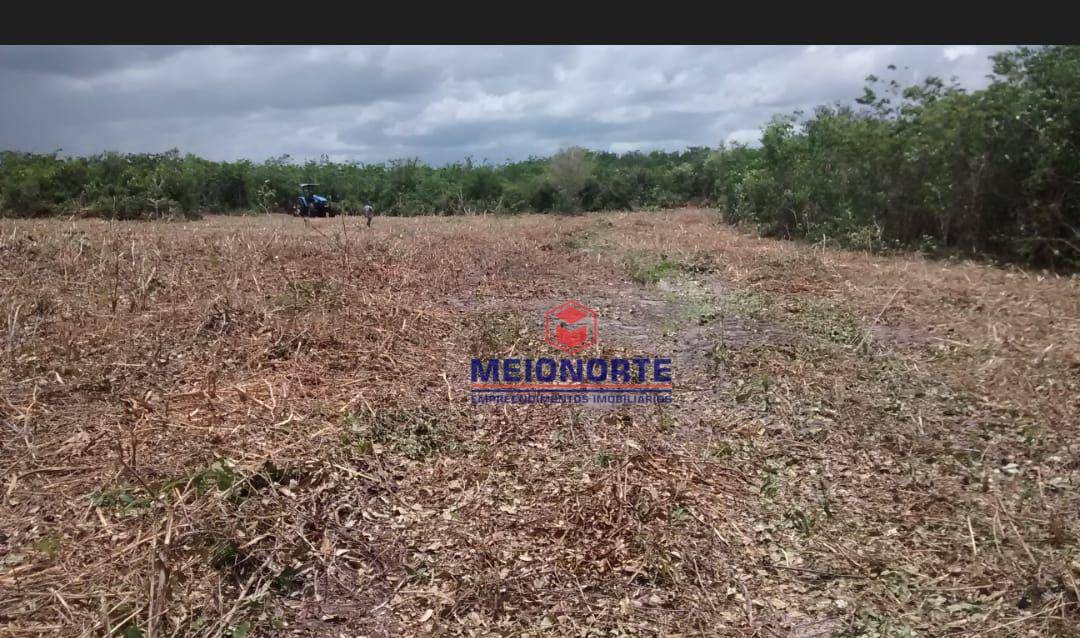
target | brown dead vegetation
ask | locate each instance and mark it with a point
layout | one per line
(261, 426)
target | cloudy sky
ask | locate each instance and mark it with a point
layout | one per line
(440, 104)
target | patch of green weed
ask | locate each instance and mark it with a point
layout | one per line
(748, 304)
(415, 433)
(770, 484)
(645, 269)
(496, 335)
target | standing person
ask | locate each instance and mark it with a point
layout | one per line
(369, 212)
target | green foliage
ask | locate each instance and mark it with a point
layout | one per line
(153, 185)
(932, 167)
(994, 172)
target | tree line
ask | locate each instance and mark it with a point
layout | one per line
(993, 172)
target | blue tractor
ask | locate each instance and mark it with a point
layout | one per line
(311, 205)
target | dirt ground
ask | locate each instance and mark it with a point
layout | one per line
(250, 426)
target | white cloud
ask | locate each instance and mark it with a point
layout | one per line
(440, 103)
(744, 136)
(954, 53)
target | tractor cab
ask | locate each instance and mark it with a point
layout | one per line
(311, 204)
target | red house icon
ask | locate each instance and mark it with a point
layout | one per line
(571, 327)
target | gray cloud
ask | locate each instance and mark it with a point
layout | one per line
(438, 103)
(75, 61)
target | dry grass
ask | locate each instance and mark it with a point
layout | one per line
(260, 426)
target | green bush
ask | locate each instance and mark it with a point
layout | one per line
(994, 172)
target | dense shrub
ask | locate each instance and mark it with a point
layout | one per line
(994, 172)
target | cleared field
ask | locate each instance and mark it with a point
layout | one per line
(260, 426)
